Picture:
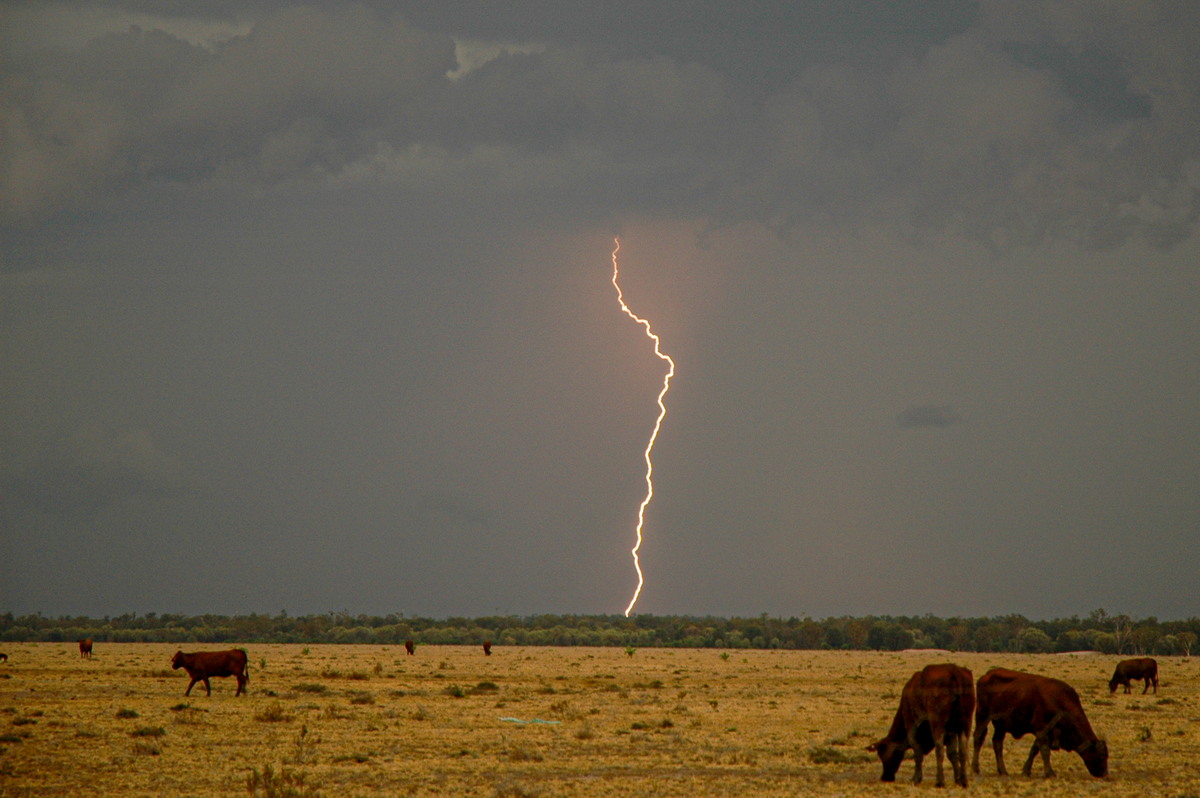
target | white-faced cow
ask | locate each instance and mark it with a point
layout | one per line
(1023, 703)
(1130, 670)
(203, 664)
(935, 713)
(487, 648)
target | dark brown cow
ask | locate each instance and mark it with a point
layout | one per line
(3, 657)
(203, 664)
(1130, 670)
(487, 648)
(935, 712)
(85, 648)
(1022, 703)
(409, 647)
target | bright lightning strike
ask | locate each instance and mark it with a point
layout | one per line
(662, 413)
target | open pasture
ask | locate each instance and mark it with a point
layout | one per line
(371, 720)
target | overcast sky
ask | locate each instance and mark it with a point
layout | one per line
(308, 308)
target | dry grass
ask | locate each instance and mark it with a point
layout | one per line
(367, 720)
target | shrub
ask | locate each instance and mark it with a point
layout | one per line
(309, 687)
(275, 713)
(149, 731)
(284, 784)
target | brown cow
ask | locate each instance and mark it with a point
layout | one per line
(1022, 703)
(487, 648)
(85, 648)
(1128, 670)
(3, 657)
(935, 712)
(409, 647)
(203, 664)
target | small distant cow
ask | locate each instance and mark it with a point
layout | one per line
(487, 648)
(3, 657)
(85, 648)
(203, 664)
(410, 647)
(935, 713)
(1022, 703)
(1130, 670)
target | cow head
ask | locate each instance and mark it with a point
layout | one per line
(1095, 757)
(891, 754)
(1112, 684)
(177, 661)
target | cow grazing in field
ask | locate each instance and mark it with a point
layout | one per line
(203, 664)
(1130, 670)
(410, 647)
(85, 648)
(3, 657)
(935, 713)
(1022, 703)
(487, 648)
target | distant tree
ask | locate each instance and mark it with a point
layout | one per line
(1035, 641)
(1186, 641)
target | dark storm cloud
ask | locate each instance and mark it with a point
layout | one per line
(962, 121)
(927, 416)
(88, 469)
(326, 286)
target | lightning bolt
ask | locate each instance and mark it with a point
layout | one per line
(662, 413)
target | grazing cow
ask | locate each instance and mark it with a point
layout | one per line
(1129, 670)
(409, 647)
(1022, 703)
(3, 657)
(203, 664)
(487, 648)
(85, 648)
(935, 712)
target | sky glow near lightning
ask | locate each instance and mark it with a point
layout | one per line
(662, 413)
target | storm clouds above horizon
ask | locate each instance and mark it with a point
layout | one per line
(308, 307)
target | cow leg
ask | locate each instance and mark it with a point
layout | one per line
(207, 686)
(980, 733)
(1146, 689)
(998, 748)
(191, 684)
(1044, 747)
(957, 745)
(917, 759)
(241, 680)
(940, 748)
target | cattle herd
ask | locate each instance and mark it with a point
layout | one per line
(935, 712)
(937, 703)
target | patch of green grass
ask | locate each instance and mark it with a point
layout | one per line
(310, 687)
(148, 731)
(274, 713)
(128, 713)
(828, 755)
(284, 784)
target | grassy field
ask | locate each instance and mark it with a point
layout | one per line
(370, 720)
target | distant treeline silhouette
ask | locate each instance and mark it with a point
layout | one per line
(1099, 631)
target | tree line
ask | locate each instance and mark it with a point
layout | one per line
(1099, 631)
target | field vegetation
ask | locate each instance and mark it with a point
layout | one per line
(1099, 631)
(348, 720)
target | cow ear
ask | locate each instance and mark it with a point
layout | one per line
(875, 745)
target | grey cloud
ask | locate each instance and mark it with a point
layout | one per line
(89, 468)
(927, 416)
(964, 122)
